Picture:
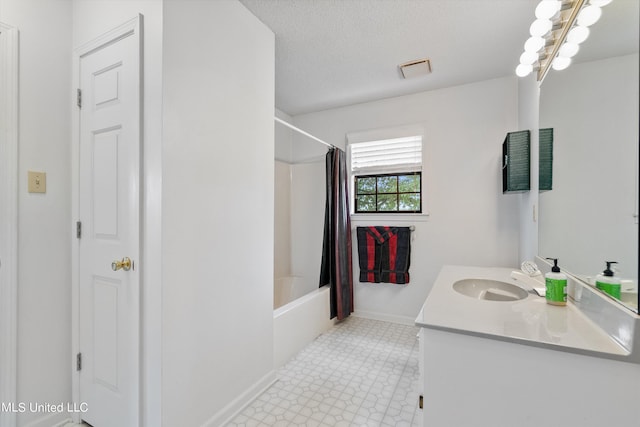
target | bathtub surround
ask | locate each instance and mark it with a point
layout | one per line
(282, 220)
(336, 269)
(287, 289)
(299, 215)
(299, 189)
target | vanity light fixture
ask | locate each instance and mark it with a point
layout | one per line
(556, 34)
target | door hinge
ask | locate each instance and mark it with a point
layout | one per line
(79, 362)
(78, 229)
(79, 98)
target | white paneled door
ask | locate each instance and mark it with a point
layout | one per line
(108, 252)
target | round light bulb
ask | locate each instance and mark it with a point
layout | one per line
(560, 63)
(578, 34)
(528, 58)
(568, 50)
(540, 27)
(589, 15)
(599, 3)
(534, 44)
(523, 70)
(547, 8)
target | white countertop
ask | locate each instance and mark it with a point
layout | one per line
(530, 321)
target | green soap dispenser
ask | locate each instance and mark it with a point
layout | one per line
(556, 285)
(607, 282)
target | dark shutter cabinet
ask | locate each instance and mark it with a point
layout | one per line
(546, 159)
(516, 151)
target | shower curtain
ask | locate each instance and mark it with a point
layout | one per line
(336, 269)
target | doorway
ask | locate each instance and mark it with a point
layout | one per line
(106, 200)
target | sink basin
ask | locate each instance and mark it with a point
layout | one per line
(490, 290)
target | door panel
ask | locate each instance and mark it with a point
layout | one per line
(105, 332)
(109, 198)
(105, 184)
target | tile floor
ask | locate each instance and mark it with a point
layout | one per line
(360, 373)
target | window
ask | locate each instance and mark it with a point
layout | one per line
(387, 175)
(388, 193)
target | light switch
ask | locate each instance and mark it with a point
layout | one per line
(37, 182)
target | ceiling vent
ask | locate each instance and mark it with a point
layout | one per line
(417, 68)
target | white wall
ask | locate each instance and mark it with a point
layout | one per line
(92, 18)
(587, 218)
(470, 221)
(217, 204)
(49, 30)
(44, 232)
(528, 106)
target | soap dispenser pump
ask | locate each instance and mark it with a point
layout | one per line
(556, 285)
(607, 282)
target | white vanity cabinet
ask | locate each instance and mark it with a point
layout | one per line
(519, 363)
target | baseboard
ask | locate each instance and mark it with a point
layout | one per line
(230, 411)
(392, 318)
(51, 420)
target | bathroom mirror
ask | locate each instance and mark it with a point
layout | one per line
(591, 214)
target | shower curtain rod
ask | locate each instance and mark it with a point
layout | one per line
(289, 125)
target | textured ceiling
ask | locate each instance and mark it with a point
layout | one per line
(331, 53)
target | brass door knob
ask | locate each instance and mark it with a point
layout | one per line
(125, 264)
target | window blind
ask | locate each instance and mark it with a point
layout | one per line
(387, 156)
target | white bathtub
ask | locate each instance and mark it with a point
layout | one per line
(299, 322)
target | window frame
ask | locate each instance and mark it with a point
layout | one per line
(397, 193)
